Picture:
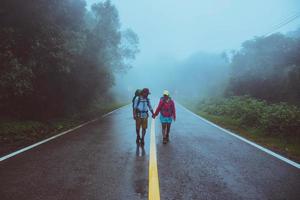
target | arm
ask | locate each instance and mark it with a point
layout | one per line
(174, 111)
(149, 106)
(158, 108)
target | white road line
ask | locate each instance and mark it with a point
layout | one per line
(297, 165)
(55, 136)
(113, 111)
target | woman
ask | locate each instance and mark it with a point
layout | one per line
(166, 108)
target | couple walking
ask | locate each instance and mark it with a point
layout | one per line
(141, 106)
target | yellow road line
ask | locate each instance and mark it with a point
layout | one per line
(153, 193)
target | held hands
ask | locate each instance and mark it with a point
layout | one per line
(153, 114)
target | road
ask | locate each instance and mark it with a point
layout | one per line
(102, 161)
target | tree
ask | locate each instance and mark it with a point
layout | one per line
(267, 68)
(56, 56)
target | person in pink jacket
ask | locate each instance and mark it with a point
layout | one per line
(166, 108)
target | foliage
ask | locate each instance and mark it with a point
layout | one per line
(21, 131)
(267, 68)
(275, 119)
(57, 57)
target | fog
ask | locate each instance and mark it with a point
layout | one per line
(181, 42)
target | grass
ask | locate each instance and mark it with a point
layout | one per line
(287, 146)
(15, 134)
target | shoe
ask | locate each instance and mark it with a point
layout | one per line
(165, 140)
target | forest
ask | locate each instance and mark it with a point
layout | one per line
(259, 94)
(267, 68)
(59, 57)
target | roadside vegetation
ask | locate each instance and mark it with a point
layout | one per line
(261, 96)
(18, 133)
(58, 62)
(275, 126)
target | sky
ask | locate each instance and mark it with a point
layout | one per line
(173, 30)
(177, 28)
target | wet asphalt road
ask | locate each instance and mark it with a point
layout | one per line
(102, 161)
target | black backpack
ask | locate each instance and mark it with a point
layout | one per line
(136, 94)
(133, 100)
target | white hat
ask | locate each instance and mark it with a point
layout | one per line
(166, 92)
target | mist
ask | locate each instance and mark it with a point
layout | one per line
(181, 42)
(229, 121)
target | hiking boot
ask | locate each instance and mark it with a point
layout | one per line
(165, 141)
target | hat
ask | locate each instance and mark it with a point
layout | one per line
(146, 91)
(166, 92)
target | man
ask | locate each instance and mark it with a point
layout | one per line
(141, 107)
(166, 108)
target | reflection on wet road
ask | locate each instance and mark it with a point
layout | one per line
(140, 172)
(102, 161)
(203, 162)
(97, 161)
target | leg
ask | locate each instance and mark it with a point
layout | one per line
(137, 138)
(144, 128)
(164, 128)
(143, 136)
(168, 131)
(138, 127)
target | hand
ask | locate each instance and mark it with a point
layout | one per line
(134, 117)
(153, 116)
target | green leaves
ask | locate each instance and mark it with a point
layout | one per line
(16, 80)
(271, 118)
(281, 118)
(267, 68)
(57, 57)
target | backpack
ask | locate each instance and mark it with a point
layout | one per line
(137, 111)
(139, 101)
(133, 100)
(166, 108)
(136, 94)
